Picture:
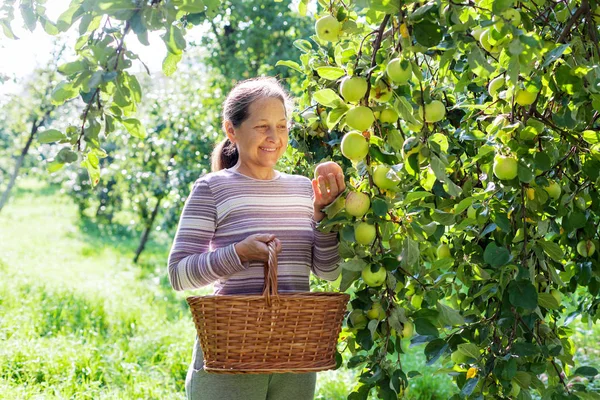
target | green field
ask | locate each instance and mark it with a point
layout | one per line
(79, 320)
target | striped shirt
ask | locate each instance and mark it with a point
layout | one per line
(224, 208)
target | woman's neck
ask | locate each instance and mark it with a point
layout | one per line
(263, 173)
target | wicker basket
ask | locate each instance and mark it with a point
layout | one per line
(269, 333)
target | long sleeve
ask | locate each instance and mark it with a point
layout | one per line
(325, 258)
(192, 263)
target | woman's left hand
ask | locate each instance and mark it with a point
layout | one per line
(326, 190)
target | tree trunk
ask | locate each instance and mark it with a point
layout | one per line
(146, 233)
(13, 178)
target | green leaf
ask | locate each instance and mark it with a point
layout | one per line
(290, 64)
(523, 379)
(427, 33)
(72, 67)
(380, 207)
(554, 55)
(552, 249)
(50, 135)
(469, 349)
(434, 350)
(592, 137)
(469, 386)
(327, 97)
(522, 293)
(169, 65)
(496, 256)
(413, 196)
(174, 40)
(586, 371)
(303, 45)
(424, 327)
(356, 264)
(335, 115)
(29, 16)
(331, 73)
(62, 92)
(135, 127)
(54, 166)
(191, 6)
(449, 316)
(547, 301)
(348, 277)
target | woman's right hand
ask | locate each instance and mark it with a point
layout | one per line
(254, 247)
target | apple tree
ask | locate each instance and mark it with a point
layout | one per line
(470, 138)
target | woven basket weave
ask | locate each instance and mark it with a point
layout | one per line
(269, 333)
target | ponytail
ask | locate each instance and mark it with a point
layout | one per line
(224, 155)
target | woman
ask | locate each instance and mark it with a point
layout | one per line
(231, 215)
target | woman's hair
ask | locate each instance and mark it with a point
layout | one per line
(235, 109)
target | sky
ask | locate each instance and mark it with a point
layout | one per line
(18, 58)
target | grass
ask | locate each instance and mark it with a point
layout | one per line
(79, 320)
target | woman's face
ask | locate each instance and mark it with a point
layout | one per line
(263, 137)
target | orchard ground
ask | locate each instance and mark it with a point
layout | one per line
(79, 320)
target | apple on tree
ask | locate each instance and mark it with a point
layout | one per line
(364, 233)
(380, 92)
(434, 111)
(328, 28)
(382, 179)
(354, 146)
(373, 279)
(360, 118)
(388, 115)
(357, 204)
(586, 248)
(399, 71)
(376, 311)
(353, 88)
(443, 251)
(505, 167)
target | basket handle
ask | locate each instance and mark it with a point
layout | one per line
(270, 288)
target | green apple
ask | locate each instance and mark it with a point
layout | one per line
(360, 118)
(513, 16)
(408, 330)
(505, 168)
(388, 115)
(553, 190)
(524, 97)
(399, 71)
(373, 279)
(484, 40)
(380, 178)
(586, 248)
(358, 319)
(357, 204)
(434, 111)
(416, 300)
(328, 28)
(364, 233)
(477, 32)
(376, 311)
(380, 92)
(354, 146)
(443, 251)
(353, 88)
(495, 85)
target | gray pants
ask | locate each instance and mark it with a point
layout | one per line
(200, 385)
